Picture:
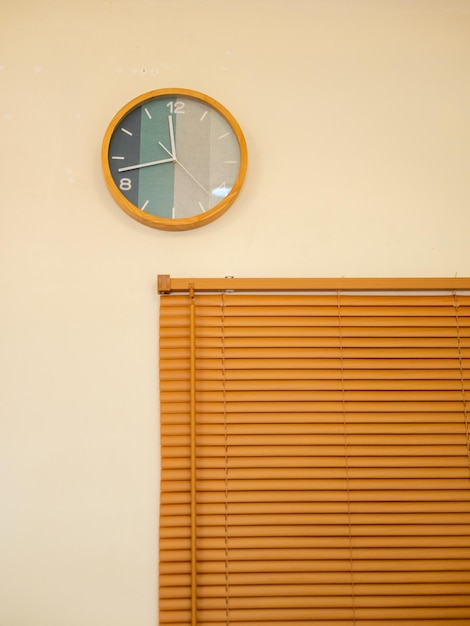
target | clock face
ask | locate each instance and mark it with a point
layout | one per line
(174, 159)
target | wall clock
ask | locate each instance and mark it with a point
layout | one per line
(174, 159)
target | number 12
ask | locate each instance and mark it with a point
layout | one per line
(176, 107)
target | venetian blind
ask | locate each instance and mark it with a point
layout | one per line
(315, 455)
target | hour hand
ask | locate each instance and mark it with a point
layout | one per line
(172, 136)
(172, 140)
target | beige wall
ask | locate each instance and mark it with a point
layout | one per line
(356, 114)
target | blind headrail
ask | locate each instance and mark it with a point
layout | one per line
(169, 285)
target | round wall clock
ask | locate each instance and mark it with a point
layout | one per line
(174, 159)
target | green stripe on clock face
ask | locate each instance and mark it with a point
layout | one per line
(156, 183)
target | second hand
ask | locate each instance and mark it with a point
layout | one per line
(173, 156)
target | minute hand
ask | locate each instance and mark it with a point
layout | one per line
(139, 165)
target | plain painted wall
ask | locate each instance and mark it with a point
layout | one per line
(356, 114)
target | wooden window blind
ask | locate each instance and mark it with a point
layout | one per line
(315, 452)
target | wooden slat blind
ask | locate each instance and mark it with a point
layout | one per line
(331, 453)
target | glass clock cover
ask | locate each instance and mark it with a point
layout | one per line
(174, 159)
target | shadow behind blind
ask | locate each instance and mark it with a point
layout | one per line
(332, 479)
